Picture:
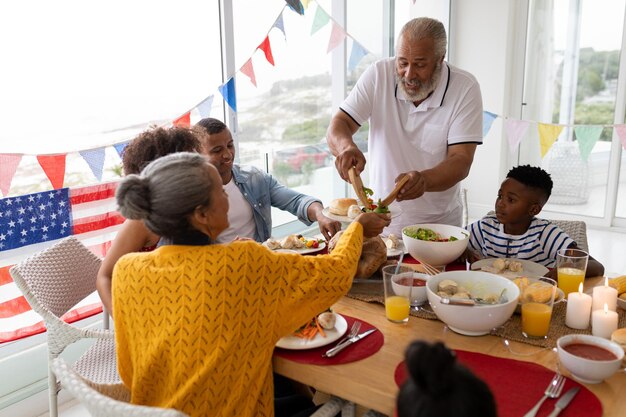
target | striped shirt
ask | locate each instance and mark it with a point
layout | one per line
(539, 244)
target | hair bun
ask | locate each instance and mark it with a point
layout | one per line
(133, 197)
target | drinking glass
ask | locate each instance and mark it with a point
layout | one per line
(571, 267)
(397, 296)
(537, 300)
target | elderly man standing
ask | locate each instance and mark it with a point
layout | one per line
(425, 121)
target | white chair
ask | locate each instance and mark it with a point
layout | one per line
(112, 404)
(53, 281)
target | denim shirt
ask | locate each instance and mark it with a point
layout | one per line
(262, 191)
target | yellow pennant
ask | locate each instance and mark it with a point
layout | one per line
(305, 3)
(547, 136)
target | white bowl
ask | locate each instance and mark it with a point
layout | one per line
(418, 293)
(436, 253)
(589, 371)
(475, 320)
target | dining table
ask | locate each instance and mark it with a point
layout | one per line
(370, 382)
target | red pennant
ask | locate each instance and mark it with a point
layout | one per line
(8, 166)
(54, 167)
(183, 121)
(248, 70)
(267, 49)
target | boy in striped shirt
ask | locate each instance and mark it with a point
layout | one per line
(513, 231)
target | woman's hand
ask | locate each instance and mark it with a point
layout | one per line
(373, 223)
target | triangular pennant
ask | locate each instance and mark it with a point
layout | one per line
(547, 136)
(296, 6)
(488, 119)
(305, 3)
(587, 136)
(357, 53)
(320, 20)
(119, 148)
(54, 167)
(621, 133)
(204, 108)
(336, 37)
(280, 25)
(515, 131)
(183, 121)
(248, 70)
(228, 92)
(95, 160)
(267, 50)
(8, 166)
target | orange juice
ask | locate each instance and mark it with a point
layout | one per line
(397, 308)
(536, 319)
(570, 279)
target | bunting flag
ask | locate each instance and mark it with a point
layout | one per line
(54, 168)
(621, 133)
(305, 3)
(320, 20)
(248, 70)
(587, 136)
(547, 136)
(33, 222)
(488, 119)
(336, 37)
(8, 166)
(228, 92)
(95, 160)
(515, 131)
(280, 25)
(183, 121)
(357, 53)
(119, 148)
(296, 6)
(267, 50)
(204, 108)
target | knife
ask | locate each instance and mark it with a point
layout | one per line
(564, 401)
(332, 352)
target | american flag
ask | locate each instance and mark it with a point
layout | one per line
(33, 222)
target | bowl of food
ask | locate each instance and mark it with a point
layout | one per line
(435, 244)
(536, 289)
(472, 303)
(408, 281)
(590, 359)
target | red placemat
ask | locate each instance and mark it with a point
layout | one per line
(517, 385)
(355, 352)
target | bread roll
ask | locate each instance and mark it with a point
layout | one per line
(373, 256)
(340, 206)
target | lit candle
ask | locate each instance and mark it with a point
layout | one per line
(604, 295)
(603, 322)
(578, 309)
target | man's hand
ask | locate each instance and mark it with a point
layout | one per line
(414, 188)
(350, 157)
(328, 227)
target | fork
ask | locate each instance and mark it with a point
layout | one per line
(354, 330)
(552, 391)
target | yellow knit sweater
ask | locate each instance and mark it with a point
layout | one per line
(195, 326)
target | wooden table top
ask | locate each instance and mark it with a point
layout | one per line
(370, 382)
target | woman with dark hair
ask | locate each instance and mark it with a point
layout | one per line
(195, 322)
(439, 386)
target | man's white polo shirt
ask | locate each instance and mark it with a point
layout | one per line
(403, 137)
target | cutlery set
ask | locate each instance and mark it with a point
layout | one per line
(352, 337)
(553, 390)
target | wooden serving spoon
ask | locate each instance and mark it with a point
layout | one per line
(357, 184)
(394, 193)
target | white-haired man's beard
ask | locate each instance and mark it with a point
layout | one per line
(423, 88)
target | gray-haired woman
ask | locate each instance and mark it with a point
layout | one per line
(196, 323)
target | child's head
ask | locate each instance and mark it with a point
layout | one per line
(522, 194)
(439, 386)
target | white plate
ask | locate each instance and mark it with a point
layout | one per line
(395, 211)
(528, 268)
(395, 251)
(332, 335)
(303, 251)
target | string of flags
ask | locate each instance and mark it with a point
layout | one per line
(54, 166)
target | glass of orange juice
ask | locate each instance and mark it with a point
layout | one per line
(537, 302)
(397, 297)
(571, 267)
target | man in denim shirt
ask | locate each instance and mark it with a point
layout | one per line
(252, 192)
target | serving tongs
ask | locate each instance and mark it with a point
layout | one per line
(394, 193)
(357, 184)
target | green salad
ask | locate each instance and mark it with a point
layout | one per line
(427, 234)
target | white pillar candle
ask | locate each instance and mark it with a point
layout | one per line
(604, 294)
(578, 309)
(603, 322)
